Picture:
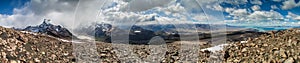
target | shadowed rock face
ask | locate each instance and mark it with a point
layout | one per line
(50, 29)
(137, 35)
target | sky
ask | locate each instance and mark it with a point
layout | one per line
(20, 13)
(6, 6)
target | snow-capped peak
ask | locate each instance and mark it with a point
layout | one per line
(50, 29)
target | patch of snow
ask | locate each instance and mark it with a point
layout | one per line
(137, 31)
(215, 48)
(64, 40)
(29, 32)
(73, 41)
(11, 27)
(57, 29)
(85, 37)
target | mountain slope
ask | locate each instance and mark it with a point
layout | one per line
(50, 29)
(141, 34)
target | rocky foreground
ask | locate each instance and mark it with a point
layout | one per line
(24, 47)
(16, 46)
(278, 47)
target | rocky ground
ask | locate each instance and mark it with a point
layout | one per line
(17, 46)
(278, 47)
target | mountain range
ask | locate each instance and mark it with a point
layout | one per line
(142, 34)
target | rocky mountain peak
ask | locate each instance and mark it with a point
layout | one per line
(48, 28)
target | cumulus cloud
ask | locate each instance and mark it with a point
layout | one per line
(217, 7)
(265, 15)
(274, 7)
(59, 11)
(236, 2)
(255, 7)
(293, 16)
(244, 15)
(175, 12)
(237, 13)
(199, 5)
(229, 10)
(182, 10)
(62, 12)
(258, 2)
(142, 5)
(289, 4)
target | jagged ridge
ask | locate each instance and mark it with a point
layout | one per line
(50, 29)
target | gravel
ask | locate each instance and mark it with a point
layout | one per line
(277, 47)
(18, 47)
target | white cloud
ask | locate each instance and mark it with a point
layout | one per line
(258, 2)
(199, 5)
(59, 11)
(289, 4)
(236, 2)
(229, 10)
(174, 12)
(62, 12)
(142, 5)
(244, 15)
(237, 13)
(255, 7)
(172, 9)
(19, 18)
(265, 15)
(274, 7)
(217, 7)
(293, 16)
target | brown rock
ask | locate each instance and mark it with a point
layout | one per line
(265, 45)
(289, 60)
(14, 61)
(282, 54)
(37, 60)
(244, 50)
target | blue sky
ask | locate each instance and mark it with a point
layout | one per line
(265, 6)
(7, 6)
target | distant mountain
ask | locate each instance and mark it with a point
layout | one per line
(104, 32)
(142, 34)
(50, 29)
